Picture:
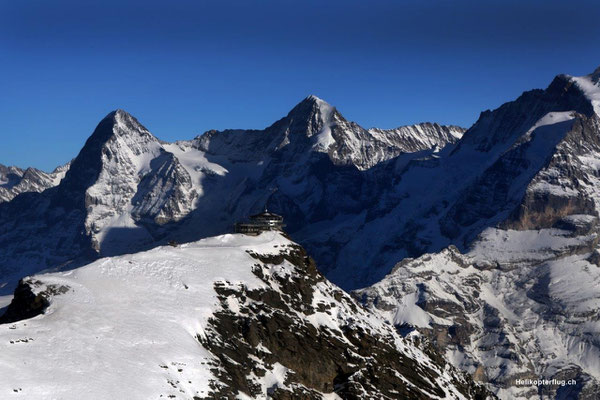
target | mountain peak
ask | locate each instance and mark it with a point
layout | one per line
(118, 137)
(311, 107)
(595, 76)
(115, 114)
(121, 123)
(310, 116)
(120, 115)
(314, 99)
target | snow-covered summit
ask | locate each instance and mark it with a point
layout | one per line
(227, 317)
(314, 125)
(313, 117)
(129, 176)
(314, 102)
(590, 85)
(315, 98)
(517, 298)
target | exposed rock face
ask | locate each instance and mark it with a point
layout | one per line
(14, 180)
(566, 185)
(520, 300)
(279, 324)
(519, 305)
(314, 125)
(127, 190)
(227, 317)
(31, 298)
(419, 137)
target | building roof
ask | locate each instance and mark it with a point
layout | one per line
(266, 215)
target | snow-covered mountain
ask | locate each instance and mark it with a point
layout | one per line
(429, 202)
(127, 190)
(519, 305)
(519, 298)
(14, 180)
(501, 221)
(121, 188)
(314, 125)
(226, 317)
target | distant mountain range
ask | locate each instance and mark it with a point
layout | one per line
(484, 242)
(14, 180)
(127, 190)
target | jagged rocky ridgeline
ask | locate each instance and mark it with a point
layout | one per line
(516, 194)
(518, 298)
(14, 180)
(128, 191)
(504, 311)
(228, 317)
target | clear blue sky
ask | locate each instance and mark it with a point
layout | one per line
(183, 67)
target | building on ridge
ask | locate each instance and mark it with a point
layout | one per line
(265, 221)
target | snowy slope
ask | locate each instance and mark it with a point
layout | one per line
(437, 200)
(127, 190)
(520, 298)
(14, 180)
(524, 175)
(521, 304)
(195, 322)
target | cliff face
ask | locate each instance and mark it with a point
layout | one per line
(518, 305)
(518, 298)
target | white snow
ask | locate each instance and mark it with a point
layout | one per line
(127, 324)
(324, 139)
(195, 162)
(523, 276)
(590, 89)
(409, 312)
(510, 246)
(550, 119)
(127, 327)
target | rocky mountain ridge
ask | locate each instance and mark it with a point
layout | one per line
(498, 229)
(314, 125)
(128, 191)
(14, 180)
(227, 317)
(520, 298)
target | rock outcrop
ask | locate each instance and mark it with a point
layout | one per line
(227, 317)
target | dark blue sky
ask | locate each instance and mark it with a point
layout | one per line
(183, 67)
